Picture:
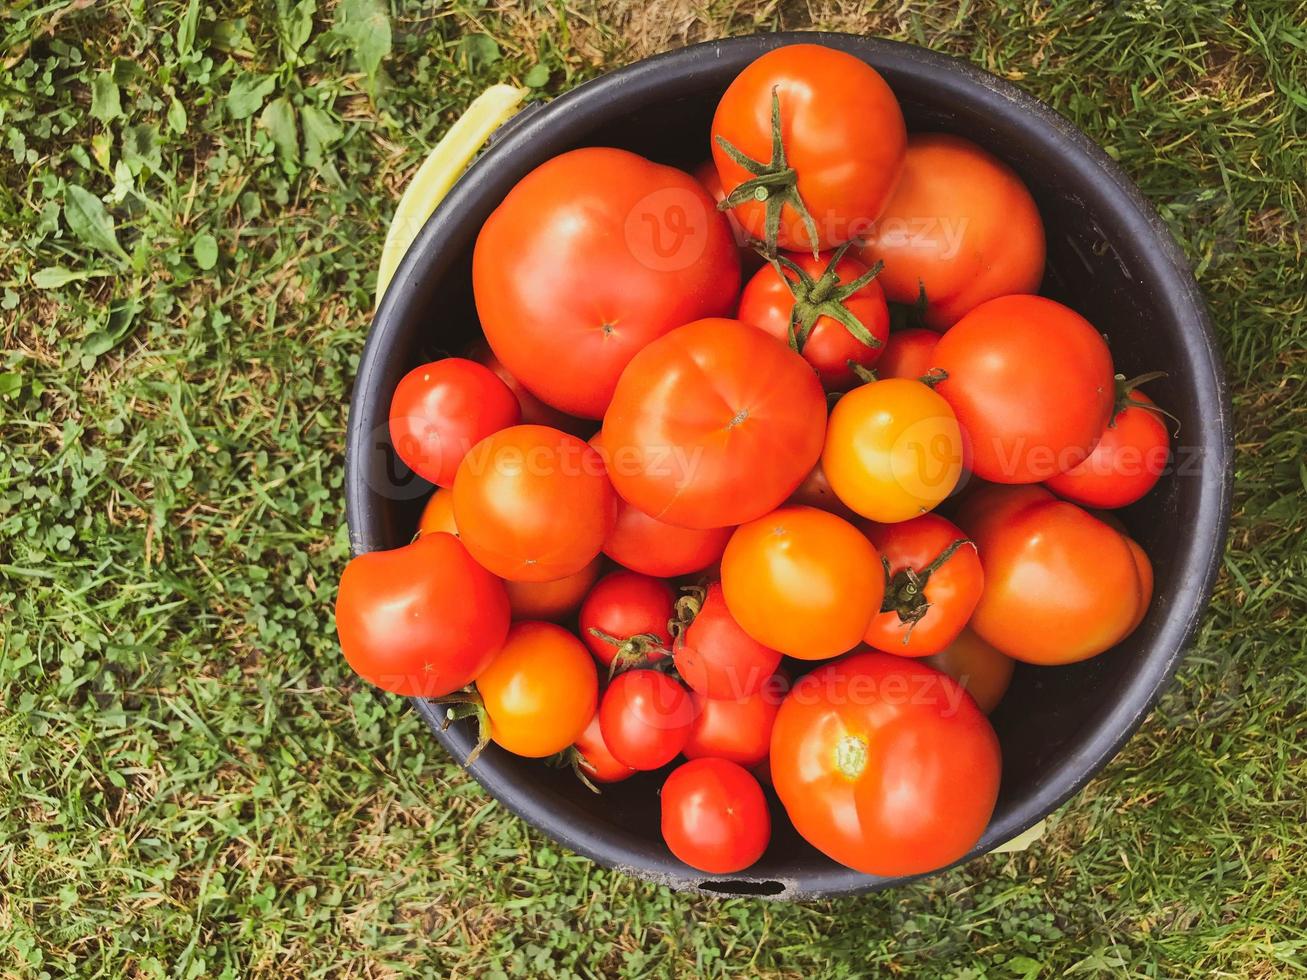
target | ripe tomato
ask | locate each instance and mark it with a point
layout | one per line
(422, 620)
(893, 450)
(1060, 585)
(540, 690)
(1031, 383)
(803, 582)
(815, 491)
(714, 424)
(534, 411)
(984, 670)
(960, 224)
(714, 816)
(596, 762)
(645, 717)
(441, 410)
(438, 513)
(590, 257)
(714, 655)
(553, 600)
(738, 729)
(625, 617)
(1127, 461)
(908, 354)
(884, 764)
(533, 504)
(706, 175)
(934, 583)
(808, 142)
(1145, 569)
(646, 544)
(829, 308)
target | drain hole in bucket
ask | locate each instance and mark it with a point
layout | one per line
(730, 886)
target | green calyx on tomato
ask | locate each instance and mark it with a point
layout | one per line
(635, 651)
(1125, 386)
(776, 183)
(467, 703)
(823, 296)
(905, 590)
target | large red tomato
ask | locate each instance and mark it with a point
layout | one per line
(808, 142)
(738, 729)
(714, 655)
(1031, 382)
(885, 764)
(625, 618)
(1127, 461)
(591, 256)
(533, 504)
(714, 816)
(1060, 584)
(714, 424)
(962, 225)
(935, 580)
(422, 620)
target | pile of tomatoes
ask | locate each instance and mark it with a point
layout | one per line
(689, 510)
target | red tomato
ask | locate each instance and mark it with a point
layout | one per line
(714, 816)
(934, 583)
(706, 175)
(714, 655)
(441, 410)
(422, 620)
(884, 764)
(1031, 383)
(540, 690)
(803, 582)
(625, 616)
(714, 424)
(830, 308)
(841, 137)
(1125, 464)
(737, 729)
(553, 600)
(596, 762)
(533, 504)
(1060, 585)
(534, 411)
(908, 354)
(438, 513)
(815, 491)
(962, 225)
(645, 717)
(590, 257)
(984, 670)
(646, 544)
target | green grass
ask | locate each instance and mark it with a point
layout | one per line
(195, 786)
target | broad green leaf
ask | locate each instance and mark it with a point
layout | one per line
(366, 26)
(177, 116)
(205, 250)
(105, 104)
(10, 384)
(296, 22)
(537, 77)
(141, 148)
(320, 132)
(89, 221)
(479, 49)
(278, 119)
(247, 93)
(55, 276)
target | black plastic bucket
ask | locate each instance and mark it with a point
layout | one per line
(1109, 256)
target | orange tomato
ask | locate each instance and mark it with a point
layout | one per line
(983, 669)
(552, 600)
(438, 513)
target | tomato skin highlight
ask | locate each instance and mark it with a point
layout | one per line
(983, 669)
(885, 764)
(844, 137)
(1031, 383)
(803, 582)
(960, 223)
(768, 299)
(1060, 585)
(533, 504)
(714, 816)
(599, 764)
(737, 729)
(713, 424)
(540, 691)
(441, 410)
(908, 354)
(645, 717)
(893, 450)
(717, 658)
(591, 256)
(554, 600)
(951, 590)
(1127, 461)
(623, 605)
(423, 620)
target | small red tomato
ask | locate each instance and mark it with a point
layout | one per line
(1127, 461)
(934, 582)
(441, 410)
(908, 354)
(626, 615)
(714, 816)
(645, 544)
(645, 717)
(829, 308)
(422, 620)
(816, 491)
(714, 655)
(738, 730)
(595, 760)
